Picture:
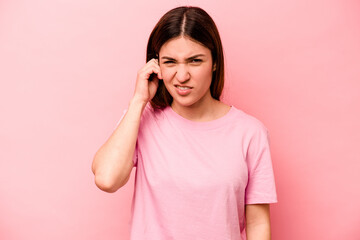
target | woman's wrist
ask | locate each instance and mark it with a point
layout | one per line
(138, 102)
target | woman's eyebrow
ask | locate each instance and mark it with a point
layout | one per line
(192, 57)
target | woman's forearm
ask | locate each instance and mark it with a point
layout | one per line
(113, 163)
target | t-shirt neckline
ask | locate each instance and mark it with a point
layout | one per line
(219, 122)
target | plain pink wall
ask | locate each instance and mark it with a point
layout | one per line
(68, 70)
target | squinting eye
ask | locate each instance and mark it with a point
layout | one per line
(196, 60)
(169, 62)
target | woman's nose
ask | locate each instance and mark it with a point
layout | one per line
(182, 72)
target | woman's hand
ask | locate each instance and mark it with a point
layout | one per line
(145, 89)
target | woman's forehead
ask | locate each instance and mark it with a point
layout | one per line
(183, 47)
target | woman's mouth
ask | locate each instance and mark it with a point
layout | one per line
(183, 90)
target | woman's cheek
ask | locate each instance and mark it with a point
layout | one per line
(166, 75)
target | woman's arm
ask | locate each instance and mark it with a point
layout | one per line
(257, 221)
(113, 163)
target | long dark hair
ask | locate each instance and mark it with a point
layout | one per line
(197, 24)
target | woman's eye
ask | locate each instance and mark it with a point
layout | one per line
(192, 61)
(196, 60)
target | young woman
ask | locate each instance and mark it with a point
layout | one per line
(203, 168)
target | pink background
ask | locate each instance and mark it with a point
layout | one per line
(68, 70)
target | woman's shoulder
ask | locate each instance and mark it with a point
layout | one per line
(248, 120)
(150, 112)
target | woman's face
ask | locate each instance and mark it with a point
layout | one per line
(184, 62)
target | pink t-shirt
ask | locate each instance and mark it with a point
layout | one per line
(193, 179)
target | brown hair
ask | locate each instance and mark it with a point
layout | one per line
(195, 23)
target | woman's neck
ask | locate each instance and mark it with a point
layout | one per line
(198, 112)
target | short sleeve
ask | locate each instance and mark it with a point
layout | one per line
(135, 157)
(261, 182)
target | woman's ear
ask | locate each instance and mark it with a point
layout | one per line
(214, 67)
